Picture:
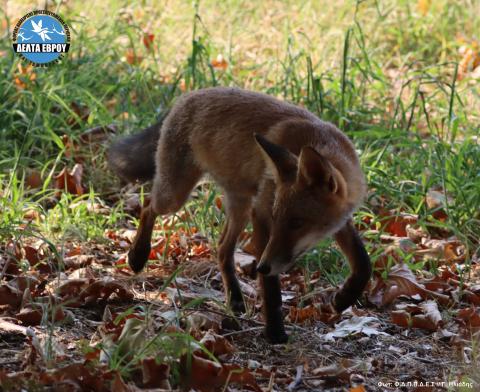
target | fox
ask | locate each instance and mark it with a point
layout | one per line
(295, 177)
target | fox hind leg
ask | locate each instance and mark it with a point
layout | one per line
(176, 175)
(237, 210)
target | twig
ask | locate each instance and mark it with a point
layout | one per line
(242, 331)
(298, 379)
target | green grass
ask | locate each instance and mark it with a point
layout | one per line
(382, 71)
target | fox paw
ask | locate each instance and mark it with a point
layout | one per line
(237, 306)
(137, 258)
(276, 336)
(341, 301)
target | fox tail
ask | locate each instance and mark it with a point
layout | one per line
(132, 158)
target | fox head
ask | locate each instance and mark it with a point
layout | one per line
(310, 203)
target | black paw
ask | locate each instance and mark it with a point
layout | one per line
(276, 336)
(342, 300)
(138, 257)
(237, 306)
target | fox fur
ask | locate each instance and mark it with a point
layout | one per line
(296, 177)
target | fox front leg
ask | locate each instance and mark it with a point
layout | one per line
(269, 285)
(352, 246)
(272, 309)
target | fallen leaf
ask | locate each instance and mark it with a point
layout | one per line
(200, 373)
(216, 344)
(132, 58)
(470, 59)
(78, 374)
(358, 388)
(424, 6)
(79, 113)
(10, 327)
(103, 289)
(148, 39)
(424, 316)
(334, 371)
(155, 375)
(470, 316)
(33, 179)
(300, 315)
(70, 181)
(396, 224)
(355, 325)
(237, 375)
(436, 201)
(402, 281)
(10, 296)
(219, 63)
(24, 76)
(34, 316)
(207, 375)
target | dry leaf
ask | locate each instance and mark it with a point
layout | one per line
(425, 316)
(10, 296)
(402, 281)
(34, 316)
(103, 289)
(358, 388)
(397, 224)
(70, 181)
(355, 325)
(155, 375)
(78, 374)
(33, 179)
(470, 316)
(9, 327)
(216, 344)
(148, 39)
(437, 201)
(24, 76)
(470, 59)
(132, 58)
(219, 63)
(207, 375)
(424, 6)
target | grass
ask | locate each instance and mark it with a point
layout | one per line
(389, 84)
(385, 72)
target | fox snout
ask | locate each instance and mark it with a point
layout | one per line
(263, 267)
(274, 263)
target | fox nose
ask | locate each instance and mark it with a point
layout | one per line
(263, 268)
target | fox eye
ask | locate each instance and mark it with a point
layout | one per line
(296, 223)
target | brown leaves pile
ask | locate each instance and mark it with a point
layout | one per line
(470, 61)
(417, 299)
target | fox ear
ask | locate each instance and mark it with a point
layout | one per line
(315, 170)
(281, 162)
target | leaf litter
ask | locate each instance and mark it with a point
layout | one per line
(85, 322)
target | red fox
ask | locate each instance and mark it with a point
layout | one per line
(296, 177)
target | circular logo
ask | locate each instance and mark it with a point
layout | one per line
(41, 38)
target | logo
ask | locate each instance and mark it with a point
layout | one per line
(41, 38)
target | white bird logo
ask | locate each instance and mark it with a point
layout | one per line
(58, 32)
(41, 31)
(23, 37)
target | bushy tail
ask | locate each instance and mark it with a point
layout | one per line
(132, 158)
